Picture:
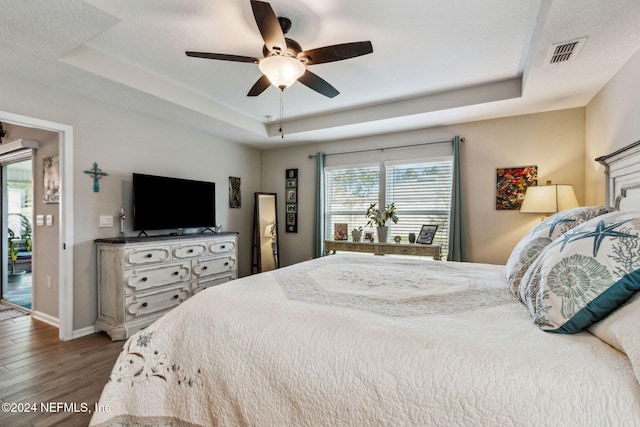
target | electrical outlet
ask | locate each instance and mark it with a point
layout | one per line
(49, 220)
(48, 281)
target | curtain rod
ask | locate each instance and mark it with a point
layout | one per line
(311, 156)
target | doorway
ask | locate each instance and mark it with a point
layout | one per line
(17, 220)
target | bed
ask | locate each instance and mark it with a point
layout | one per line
(362, 340)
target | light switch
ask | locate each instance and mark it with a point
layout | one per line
(106, 221)
(40, 220)
(49, 220)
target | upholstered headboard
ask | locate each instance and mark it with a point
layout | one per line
(623, 177)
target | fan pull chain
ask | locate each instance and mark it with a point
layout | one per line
(281, 111)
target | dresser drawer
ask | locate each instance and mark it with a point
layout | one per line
(189, 250)
(211, 266)
(140, 279)
(220, 247)
(146, 255)
(153, 302)
(200, 285)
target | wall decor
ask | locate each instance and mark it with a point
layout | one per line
(97, 174)
(51, 169)
(511, 185)
(291, 200)
(235, 198)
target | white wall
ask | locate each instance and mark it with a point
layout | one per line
(122, 142)
(553, 141)
(612, 122)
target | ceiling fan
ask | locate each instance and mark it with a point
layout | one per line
(284, 61)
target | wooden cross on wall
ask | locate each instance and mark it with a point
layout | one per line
(95, 173)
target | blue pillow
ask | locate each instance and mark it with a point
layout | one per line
(530, 246)
(585, 274)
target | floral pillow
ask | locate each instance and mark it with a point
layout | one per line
(585, 274)
(548, 230)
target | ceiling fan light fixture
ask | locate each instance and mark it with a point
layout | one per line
(282, 71)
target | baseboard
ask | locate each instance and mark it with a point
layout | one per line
(77, 333)
(53, 321)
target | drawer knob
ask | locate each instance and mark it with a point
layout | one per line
(144, 279)
(226, 264)
(176, 296)
(144, 304)
(205, 267)
(223, 246)
(190, 251)
(175, 273)
(149, 255)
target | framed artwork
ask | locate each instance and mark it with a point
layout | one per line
(235, 198)
(427, 233)
(340, 231)
(51, 169)
(291, 200)
(511, 184)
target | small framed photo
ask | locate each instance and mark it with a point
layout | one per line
(292, 195)
(292, 208)
(340, 231)
(292, 183)
(368, 236)
(291, 219)
(427, 233)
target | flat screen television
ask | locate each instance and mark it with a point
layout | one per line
(164, 203)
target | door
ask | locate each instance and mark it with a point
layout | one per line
(17, 220)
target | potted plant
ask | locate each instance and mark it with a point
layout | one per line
(14, 276)
(380, 218)
(356, 234)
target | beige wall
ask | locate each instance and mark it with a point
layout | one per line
(122, 142)
(553, 141)
(612, 122)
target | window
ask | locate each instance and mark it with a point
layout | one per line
(348, 193)
(421, 192)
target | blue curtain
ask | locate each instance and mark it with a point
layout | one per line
(457, 232)
(318, 233)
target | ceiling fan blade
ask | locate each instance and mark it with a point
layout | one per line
(336, 52)
(269, 27)
(260, 86)
(318, 84)
(223, 57)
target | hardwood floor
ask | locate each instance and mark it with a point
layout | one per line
(38, 369)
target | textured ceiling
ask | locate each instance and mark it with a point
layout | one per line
(434, 62)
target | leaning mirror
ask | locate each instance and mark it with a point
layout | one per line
(265, 233)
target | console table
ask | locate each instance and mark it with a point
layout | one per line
(384, 248)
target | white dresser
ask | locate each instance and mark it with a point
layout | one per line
(140, 279)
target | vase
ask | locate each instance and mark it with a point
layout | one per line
(383, 234)
(356, 235)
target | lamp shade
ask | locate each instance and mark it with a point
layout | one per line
(549, 198)
(282, 71)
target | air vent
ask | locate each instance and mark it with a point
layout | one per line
(565, 51)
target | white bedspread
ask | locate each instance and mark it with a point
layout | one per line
(363, 340)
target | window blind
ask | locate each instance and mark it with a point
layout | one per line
(422, 195)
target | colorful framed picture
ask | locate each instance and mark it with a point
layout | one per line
(511, 184)
(427, 233)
